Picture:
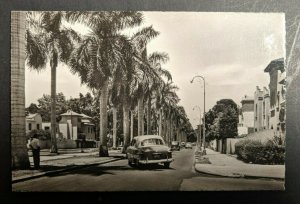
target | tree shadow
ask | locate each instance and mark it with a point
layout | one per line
(100, 170)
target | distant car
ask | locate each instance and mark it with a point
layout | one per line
(194, 143)
(182, 144)
(175, 145)
(149, 149)
(188, 145)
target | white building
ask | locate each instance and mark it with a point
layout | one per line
(246, 116)
(277, 74)
(33, 122)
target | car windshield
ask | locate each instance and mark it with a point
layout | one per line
(152, 141)
(175, 143)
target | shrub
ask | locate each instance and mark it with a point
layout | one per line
(258, 153)
(42, 134)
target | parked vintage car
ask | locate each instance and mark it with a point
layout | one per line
(149, 149)
(188, 145)
(175, 145)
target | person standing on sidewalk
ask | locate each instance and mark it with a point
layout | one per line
(35, 147)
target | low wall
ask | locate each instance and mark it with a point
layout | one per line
(230, 145)
(66, 144)
(219, 146)
(44, 144)
(262, 136)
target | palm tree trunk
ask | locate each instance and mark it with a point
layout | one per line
(126, 110)
(172, 131)
(165, 127)
(131, 125)
(19, 154)
(114, 109)
(141, 115)
(53, 148)
(149, 116)
(160, 122)
(177, 134)
(103, 150)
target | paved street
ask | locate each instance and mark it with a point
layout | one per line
(118, 176)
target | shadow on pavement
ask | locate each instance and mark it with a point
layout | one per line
(101, 170)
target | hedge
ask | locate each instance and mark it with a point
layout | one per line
(258, 153)
(42, 134)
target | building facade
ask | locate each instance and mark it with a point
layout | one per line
(246, 115)
(33, 122)
(87, 127)
(261, 109)
(277, 88)
(70, 125)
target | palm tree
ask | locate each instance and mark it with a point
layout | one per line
(165, 97)
(52, 43)
(140, 40)
(19, 152)
(98, 56)
(155, 59)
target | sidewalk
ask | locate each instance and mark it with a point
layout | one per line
(230, 166)
(69, 160)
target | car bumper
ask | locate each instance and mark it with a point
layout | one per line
(155, 161)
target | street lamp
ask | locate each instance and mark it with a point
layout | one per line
(199, 140)
(201, 77)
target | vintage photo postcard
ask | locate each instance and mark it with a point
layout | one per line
(147, 101)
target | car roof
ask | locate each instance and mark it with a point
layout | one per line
(143, 137)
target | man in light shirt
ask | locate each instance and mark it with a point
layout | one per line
(35, 147)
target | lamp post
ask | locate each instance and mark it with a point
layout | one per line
(201, 77)
(199, 140)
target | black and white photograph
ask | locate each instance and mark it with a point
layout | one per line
(148, 101)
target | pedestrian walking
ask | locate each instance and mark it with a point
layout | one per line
(35, 147)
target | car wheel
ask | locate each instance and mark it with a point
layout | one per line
(130, 163)
(167, 165)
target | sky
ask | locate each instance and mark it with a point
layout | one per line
(230, 50)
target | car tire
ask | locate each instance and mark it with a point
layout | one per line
(130, 163)
(167, 165)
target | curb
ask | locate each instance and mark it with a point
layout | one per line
(239, 175)
(25, 178)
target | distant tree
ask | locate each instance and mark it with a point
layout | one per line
(228, 123)
(221, 121)
(31, 109)
(44, 105)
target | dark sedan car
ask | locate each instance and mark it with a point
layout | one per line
(149, 149)
(175, 145)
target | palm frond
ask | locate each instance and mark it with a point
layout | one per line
(35, 51)
(143, 36)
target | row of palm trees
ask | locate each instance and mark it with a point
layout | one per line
(115, 66)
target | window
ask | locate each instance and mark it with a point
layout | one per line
(47, 128)
(152, 141)
(29, 126)
(38, 126)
